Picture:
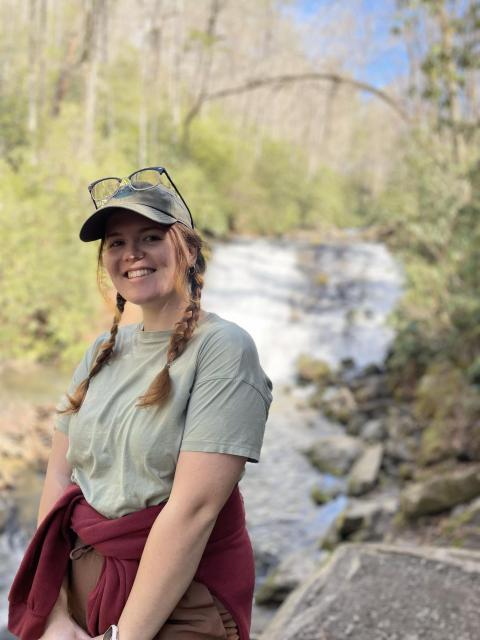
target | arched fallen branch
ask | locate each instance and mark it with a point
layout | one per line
(259, 83)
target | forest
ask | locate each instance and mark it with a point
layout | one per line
(268, 127)
(320, 144)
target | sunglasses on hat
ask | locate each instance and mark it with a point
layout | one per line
(102, 190)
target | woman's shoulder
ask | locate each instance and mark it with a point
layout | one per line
(218, 332)
(229, 351)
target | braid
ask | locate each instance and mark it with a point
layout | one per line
(102, 355)
(184, 329)
(161, 387)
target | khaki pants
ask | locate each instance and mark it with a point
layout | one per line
(197, 616)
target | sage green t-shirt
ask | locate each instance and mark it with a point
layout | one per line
(123, 457)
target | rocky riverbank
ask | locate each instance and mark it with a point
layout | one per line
(25, 439)
(394, 497)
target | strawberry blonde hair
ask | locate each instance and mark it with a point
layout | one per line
(187, 279)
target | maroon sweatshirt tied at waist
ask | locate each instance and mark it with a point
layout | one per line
(227, 566)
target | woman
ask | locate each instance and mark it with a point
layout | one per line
(141, 527)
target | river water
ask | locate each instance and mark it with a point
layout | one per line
(266, 286)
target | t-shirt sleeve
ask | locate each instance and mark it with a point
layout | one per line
(230, 398)
(61, 421)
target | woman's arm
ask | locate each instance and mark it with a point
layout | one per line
(57, 478)
(59, 625)
(174, 547)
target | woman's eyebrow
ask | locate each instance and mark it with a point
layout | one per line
(117, 233)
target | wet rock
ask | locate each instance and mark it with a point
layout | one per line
(338, 404)
(358, 515)
(400, 422)
(402, 450)
(462, 527)
(347, 364)
(366, 519)
(321, 494)
(364, 592)
(312, 370)
(406, 471)
(334, 454)
(442, 492)
(288, 575)
(356, 424)
(373, 430)
(403, 436)
(375, 408)
(469, 512)
(373, 369)
(364, 473)
(369, 388)
(265, 559)
(331, 538)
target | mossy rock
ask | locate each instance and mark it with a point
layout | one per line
(319, 496)
(338, 404)
(450, 407)
(334, 454)
(434, 444)
(441, 493)
(313, 370)
(323, 495)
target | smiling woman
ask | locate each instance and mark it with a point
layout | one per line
(142, 264)
(141, 522)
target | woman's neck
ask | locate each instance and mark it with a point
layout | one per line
(166, 320)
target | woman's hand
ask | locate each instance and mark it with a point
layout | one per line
(61, 626)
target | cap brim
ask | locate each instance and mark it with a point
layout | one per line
(94, 227)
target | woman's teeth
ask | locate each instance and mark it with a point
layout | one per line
(139, 273)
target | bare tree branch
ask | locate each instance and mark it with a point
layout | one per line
(259, 83)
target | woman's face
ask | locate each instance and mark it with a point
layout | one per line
(140, 259)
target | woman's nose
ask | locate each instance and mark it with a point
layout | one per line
(133, 252)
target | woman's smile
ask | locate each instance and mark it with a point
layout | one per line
(137, 274)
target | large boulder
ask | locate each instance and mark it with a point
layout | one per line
(334, 454)
(441, 492)
(380, 592)
(364, 473)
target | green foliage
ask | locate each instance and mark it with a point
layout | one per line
(234, 181)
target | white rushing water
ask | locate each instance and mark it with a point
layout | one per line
(260, 285)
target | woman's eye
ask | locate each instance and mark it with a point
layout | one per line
(149, 238)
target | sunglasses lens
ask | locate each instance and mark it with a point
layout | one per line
(104, 190)
(148, 178)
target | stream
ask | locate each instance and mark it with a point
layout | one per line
(266, 286)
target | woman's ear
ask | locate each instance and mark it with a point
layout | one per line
(193, 255)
